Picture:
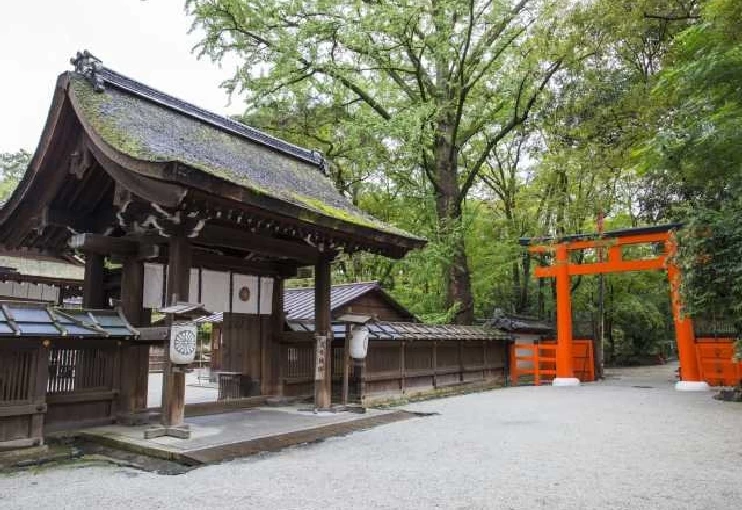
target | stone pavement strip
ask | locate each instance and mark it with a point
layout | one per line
(608, 445)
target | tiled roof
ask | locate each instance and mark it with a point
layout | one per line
(299, 303)
(522, 324)
(382, 330)
(38, 319)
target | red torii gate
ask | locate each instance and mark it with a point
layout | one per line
(614, 241)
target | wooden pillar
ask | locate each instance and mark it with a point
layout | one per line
(93, 290)
(564, 371)
(271, 377)
(134, 375)
(173, 378)
(359, 374)
(684, 334)
(323, 333)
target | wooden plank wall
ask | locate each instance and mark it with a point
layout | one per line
(396, 367)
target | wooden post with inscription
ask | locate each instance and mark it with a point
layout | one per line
(323, 334)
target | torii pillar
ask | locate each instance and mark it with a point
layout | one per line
(564, 370)
(690, 372)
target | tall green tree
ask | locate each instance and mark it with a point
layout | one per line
(12, 167)
(441, 82)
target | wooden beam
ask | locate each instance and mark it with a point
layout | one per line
(109, 245)
(656, 263)
(225, 237)
(98, 243)
(225, 262)
(80, 223)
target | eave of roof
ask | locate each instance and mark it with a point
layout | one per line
(150, 126)
(412, 331)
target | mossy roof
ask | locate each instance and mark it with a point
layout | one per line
(148, 125)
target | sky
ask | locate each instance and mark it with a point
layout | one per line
(146, 40)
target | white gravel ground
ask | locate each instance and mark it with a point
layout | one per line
(599, 446)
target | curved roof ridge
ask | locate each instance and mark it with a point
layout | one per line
(121, 81)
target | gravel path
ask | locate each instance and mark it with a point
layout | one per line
(600, 446)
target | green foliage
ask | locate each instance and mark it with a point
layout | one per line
(694, 157)
(474, 124)
(415, 93)
(12, 167)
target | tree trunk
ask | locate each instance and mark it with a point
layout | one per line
(449, 211)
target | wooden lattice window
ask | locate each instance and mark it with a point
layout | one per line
(82, 369)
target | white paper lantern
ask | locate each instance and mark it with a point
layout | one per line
(359, 342)
(183, 343)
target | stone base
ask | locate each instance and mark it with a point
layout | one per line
(565, 381)
(133, 419)
(179, 431)
(692, 386)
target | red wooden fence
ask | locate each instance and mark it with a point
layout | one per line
(539, 361)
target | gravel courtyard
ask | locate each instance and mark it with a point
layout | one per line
(608, 445)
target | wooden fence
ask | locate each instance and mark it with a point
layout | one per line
(537, 362)
(716, 361)
(415, 366)
(22, 389)
(396, 366)
(83, 382)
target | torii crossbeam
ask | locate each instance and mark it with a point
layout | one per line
(614, 242)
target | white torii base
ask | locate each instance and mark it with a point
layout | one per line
(565, 381)
(692, 386)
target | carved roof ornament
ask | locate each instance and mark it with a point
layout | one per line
(89, 66)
